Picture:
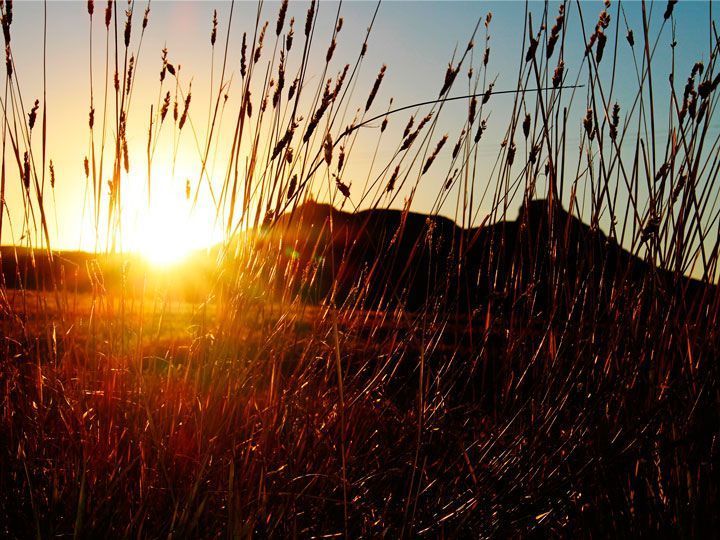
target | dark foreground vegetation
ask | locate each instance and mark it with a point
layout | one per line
(375, 372)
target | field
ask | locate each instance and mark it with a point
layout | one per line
(394, 335)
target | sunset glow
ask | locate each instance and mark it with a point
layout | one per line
(166, 228)
(163, 235)
(386, 269)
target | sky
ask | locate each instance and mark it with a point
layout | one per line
(416, 40)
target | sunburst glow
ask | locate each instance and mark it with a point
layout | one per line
(168, 228)
(163, 234)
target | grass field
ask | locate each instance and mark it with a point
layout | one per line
(531, 353)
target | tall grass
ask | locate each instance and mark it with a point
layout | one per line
(553, 388)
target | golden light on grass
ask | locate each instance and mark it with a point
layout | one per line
(340, 361)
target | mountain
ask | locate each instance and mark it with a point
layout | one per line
(545, 259)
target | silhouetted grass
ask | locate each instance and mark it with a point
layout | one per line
(377, 372)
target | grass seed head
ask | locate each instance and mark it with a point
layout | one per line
(328, 148)
(435, 153)
(487, 94)
(213, 32)
(341, 159)
(293, 88)
(258, 50)
(290, 35)
(481, 129)
(532, 157)
(330, 51)
(558, 74)
(128, 26)
(26, 171)
(555, 31)
(183, 118)
(458, 144)
(6, 30)
(588, 124)
(511, 153)
(309, 18)
(601, 41)
(281, 17)
(472, 110)
(409, 126)
(339, 82)
(131, 65)
(411, 138)
(450, 75)
(281, 80)
(163, 69)
(165, 106)
(243, 55)
(376, 86)
(614, 121)
(126, 155)
(393, 179)
(343, 188)
(669, 9)
(292, 187)
(32, 115)
(532, 47)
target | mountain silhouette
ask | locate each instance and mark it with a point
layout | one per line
(387, 257)
(544, 258)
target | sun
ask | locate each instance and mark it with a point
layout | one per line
(163, 236)
(162, 244)
(169, 229)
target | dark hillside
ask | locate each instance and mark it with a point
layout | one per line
(413, 258)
